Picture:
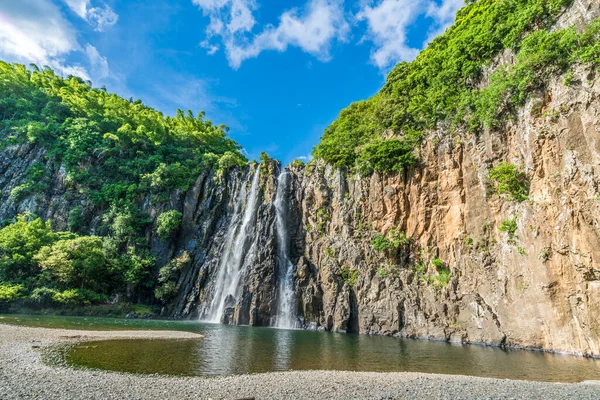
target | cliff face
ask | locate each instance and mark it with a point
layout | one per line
(538, 287)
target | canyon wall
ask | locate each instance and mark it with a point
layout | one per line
(536, 288)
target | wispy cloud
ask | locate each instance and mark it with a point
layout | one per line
(388, 22)
(443, 15)
(185, 92)
(35, 31)
(100, 16)
(312, 29)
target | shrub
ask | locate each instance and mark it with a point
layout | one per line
(441, 279)
(167, 223)
(78, 297)
(20, 192)
(42, 297)
(508, 179)
(382, 272)
(438, 263)
(166, 291)
(231, 159)
(322, 218)
(381, 243)
(19, 242)
(170, 177)
(391, 155)
(394, 240)
(349, 275)
(545, 254)
(468, 241)
(75, 219)
(297, 164)
(420, 270)
(79, 262)
(9, 293)
(509, 226)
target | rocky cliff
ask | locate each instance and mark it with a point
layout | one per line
(535, 285)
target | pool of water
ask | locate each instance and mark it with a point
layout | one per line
(227, 350)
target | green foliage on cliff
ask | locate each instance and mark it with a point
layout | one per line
(167, 223)
(393, 241)
(509, 180)
(442, 277)
(112, 147)
(441, 87)
(509, 226)
(349, 275)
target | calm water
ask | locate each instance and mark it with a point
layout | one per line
(227, 350)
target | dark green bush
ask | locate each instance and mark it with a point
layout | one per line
(76, 219)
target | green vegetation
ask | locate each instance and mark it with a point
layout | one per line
(167, 288)
(469, 241)
(76, 219)
(443, 274)
(116, 153)
(349, 275)
(382, 272)
(545, 254)
(441, 87)
(297, 164)
(167, 223)
(115, 149)
(63, 269)
(9, 293)
(509, 226)
(322, 220)
(393, 241)
(508, 179)
(420, 270)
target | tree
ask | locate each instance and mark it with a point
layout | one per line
(19, 242)
(78, 262)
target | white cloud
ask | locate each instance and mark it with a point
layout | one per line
(443, 15)
(34, 31)
(387, 23)
(313, 29)
(389, 20)
(100, 17)
(98, 63)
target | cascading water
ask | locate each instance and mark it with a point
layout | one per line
(286, 315)
(239, 235)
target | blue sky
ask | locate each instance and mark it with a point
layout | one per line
(276, 72)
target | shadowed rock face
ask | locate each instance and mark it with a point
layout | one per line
(540, 289)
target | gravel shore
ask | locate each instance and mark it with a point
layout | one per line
(24, 376)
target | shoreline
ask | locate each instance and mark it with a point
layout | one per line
(24, 375)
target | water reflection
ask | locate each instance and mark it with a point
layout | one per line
(284, 342)
(227, 350)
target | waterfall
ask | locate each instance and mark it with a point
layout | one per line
(239, 235)
(286, 315)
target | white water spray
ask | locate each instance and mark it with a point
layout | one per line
(286, 315)
(239, 235)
